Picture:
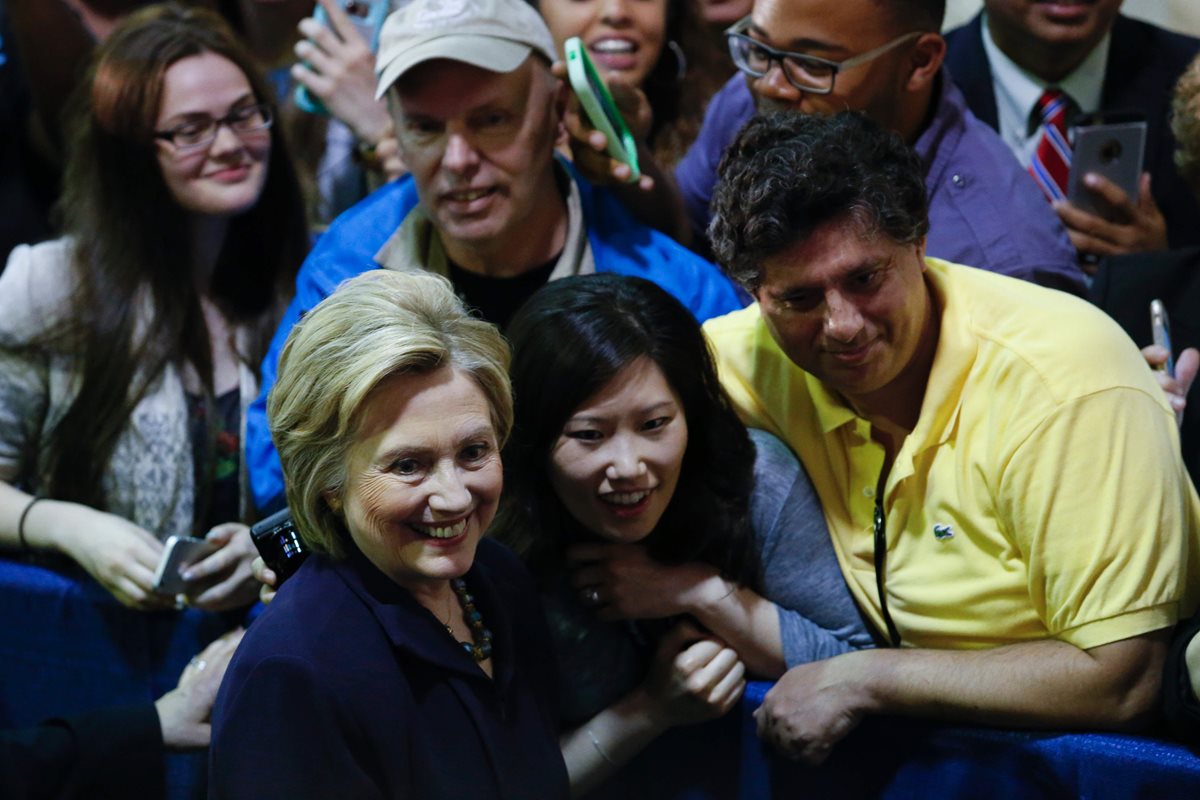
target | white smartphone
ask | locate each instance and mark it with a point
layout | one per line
(179, 553)
(1160, 328)
(599, 106)
(1114, 150)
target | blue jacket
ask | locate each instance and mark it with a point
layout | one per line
(618, 242)
(346, 687)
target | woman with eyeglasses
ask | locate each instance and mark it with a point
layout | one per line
(129, 348)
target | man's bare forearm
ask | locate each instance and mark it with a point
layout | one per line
(1044, 684)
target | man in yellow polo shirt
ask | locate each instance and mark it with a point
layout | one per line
(999, 471)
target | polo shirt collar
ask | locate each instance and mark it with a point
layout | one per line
(952, 362)
(832, 411)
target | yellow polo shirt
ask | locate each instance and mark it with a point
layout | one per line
(1041, 493)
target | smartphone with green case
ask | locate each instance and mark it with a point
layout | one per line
(599, 106)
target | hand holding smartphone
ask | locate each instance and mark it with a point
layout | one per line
(1160, 328)
(599, 107)
(362, 16)
(279, 544)
(1113, 149)
(179, 553)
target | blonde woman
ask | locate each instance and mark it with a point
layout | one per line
(406, 657)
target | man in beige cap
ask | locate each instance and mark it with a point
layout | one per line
(487, 203)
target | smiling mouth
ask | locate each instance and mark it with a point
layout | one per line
(467, 195)
(231, 172)
(613, 47)
(441, 531)
(626, 498)
(850, 355)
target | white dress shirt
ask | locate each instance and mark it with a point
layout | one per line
(1017, 91)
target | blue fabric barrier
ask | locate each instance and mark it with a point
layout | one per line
(900, 758)
(67, 646)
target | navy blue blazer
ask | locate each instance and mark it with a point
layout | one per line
(346, 687)
(1144, 62)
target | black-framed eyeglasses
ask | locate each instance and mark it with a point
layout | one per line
(200, 132)
(804, 72)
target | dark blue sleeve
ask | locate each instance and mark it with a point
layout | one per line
(112, 752)
(278, 731)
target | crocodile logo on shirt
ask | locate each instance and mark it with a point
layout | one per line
(943, 532)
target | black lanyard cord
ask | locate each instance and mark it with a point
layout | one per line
(881, 568)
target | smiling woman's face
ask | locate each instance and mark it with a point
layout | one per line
(623, 37)
(423, 477)
(227, 176)
(616, 463)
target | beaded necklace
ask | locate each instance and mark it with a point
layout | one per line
(480, 648)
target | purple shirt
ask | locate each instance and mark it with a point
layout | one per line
(984, 209)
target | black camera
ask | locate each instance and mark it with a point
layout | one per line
(279, 544)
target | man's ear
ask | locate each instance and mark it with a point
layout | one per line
(561, 93)
(921, 252)
(925, 59)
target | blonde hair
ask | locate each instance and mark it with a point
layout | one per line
(375, 325)
(1185, 124)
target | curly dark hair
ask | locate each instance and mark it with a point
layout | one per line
(1185, 124)
(787, 173)
(570, 339)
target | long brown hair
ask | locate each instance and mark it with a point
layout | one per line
(678, 99)
(132, 244)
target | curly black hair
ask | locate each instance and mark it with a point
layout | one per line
(788, 173)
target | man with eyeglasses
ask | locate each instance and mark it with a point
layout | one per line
(884, 57)
(1017, 52)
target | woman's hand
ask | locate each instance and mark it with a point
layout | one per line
(266, 576)
(1175, 388)
(223, 579)
(337, 65)
(118, 554)
(185, 711)
(694, 677)
(623, 582)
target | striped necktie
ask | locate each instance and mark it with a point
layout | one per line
(1052, 162)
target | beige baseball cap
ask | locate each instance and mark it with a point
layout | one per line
(496, 35)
